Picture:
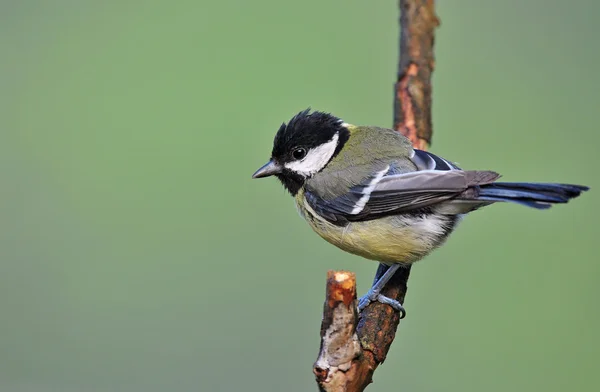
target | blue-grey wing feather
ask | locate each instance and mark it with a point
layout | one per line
(399, 190)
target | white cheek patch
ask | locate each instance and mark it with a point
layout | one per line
(315, 158)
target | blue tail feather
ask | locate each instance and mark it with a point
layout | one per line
(536, 195)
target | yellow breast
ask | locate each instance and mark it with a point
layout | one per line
(392, 239)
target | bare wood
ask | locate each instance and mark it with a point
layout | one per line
(339, 341)
(342, 364)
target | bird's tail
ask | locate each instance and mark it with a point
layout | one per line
(536, 195)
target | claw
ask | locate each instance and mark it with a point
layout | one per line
(364, 301)
(374, 293)
(394, 304)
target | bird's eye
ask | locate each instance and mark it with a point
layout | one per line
(299, 153)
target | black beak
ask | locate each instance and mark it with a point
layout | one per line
(267, 170)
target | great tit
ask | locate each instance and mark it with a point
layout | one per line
(367, 191)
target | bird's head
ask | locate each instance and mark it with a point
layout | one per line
(303, 147)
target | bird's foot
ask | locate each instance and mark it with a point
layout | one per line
(373, 296)
(393, 303)
(366, 299)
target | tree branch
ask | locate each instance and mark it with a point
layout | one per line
(339, 340)
(412, 104)
(342, 364)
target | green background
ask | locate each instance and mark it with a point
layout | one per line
(136, 254)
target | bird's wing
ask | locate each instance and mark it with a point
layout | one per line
(412, 191)
(427, 161)
(392, 192)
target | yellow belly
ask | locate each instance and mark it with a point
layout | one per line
(393, 239)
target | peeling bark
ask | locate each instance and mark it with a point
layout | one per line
(340, 346)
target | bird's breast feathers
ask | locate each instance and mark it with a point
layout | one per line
(403, 238)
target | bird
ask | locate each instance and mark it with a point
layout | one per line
(366, 190)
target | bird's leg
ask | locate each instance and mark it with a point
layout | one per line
(374, 293)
